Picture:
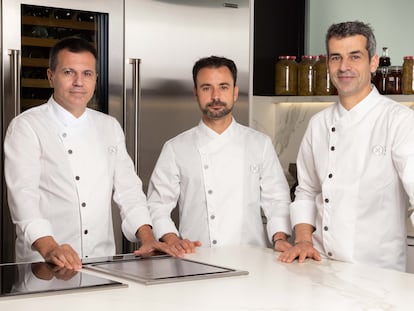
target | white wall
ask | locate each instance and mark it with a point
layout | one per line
(392, 21)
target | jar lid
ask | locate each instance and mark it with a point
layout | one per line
(409, 57)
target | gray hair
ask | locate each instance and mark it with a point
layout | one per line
(348, 29)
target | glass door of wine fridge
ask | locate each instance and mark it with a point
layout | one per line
(29, 28)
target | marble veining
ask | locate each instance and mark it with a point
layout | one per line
(286, 122)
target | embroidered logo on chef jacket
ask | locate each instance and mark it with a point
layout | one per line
(378, 150)
(112, 150)
(255, 168)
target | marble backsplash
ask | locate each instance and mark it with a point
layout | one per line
(285, 120)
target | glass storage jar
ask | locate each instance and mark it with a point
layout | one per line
(407, 75)
(380, 79)
(323, 84)
(305, 75)
(286, 76)
(393, 80)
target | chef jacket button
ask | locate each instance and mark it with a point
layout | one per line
(330, 175)
(210, 192)
(214, 241)
(70, 151)
(205, 166)
(77, 177)
(86, 231)
(333, 129)
(329, 254)
(64, 135)
(83, 204)
(332, 148)
(325, 228)
(212, 217)
(326, 200)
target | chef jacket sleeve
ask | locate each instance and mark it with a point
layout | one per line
(128, 193)
(22, 173)
(275, 195)
(403, 150)
(303, 209)
(163, 192)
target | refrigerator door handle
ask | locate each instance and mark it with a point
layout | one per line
(136, 93)
(15, 79)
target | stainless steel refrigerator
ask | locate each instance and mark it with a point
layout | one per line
(146, 52)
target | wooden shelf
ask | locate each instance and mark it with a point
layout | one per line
(42, 42)
(63, 23)
(37, 83)
(35, 62)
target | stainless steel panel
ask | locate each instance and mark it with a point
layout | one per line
(162, 269)
(169, 36)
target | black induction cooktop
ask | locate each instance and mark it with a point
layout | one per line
(40, 278)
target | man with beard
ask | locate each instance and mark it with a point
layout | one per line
(220, 174)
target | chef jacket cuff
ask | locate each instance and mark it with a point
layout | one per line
(164, 226)
(132, 222)
(37, 229)
(302, 211)
(274, 226)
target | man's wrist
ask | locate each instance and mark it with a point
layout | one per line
(277, 240)
(279, 236)
(303, 241)
(145, 234)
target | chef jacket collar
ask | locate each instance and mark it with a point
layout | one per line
(64, 116)
(358, 111)
(213, 134)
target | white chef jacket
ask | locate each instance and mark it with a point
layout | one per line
(61, 173)
(220, 182)
(355, 169)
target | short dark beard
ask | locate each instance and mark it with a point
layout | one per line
(216, 115)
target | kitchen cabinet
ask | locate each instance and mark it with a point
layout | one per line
(279, 29)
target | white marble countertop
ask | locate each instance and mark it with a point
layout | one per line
(270, 285)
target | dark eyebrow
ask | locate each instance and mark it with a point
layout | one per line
(334, 54)
(351, 53)
(221, 84)
(204, 84)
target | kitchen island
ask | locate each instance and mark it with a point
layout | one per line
(270, 285)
